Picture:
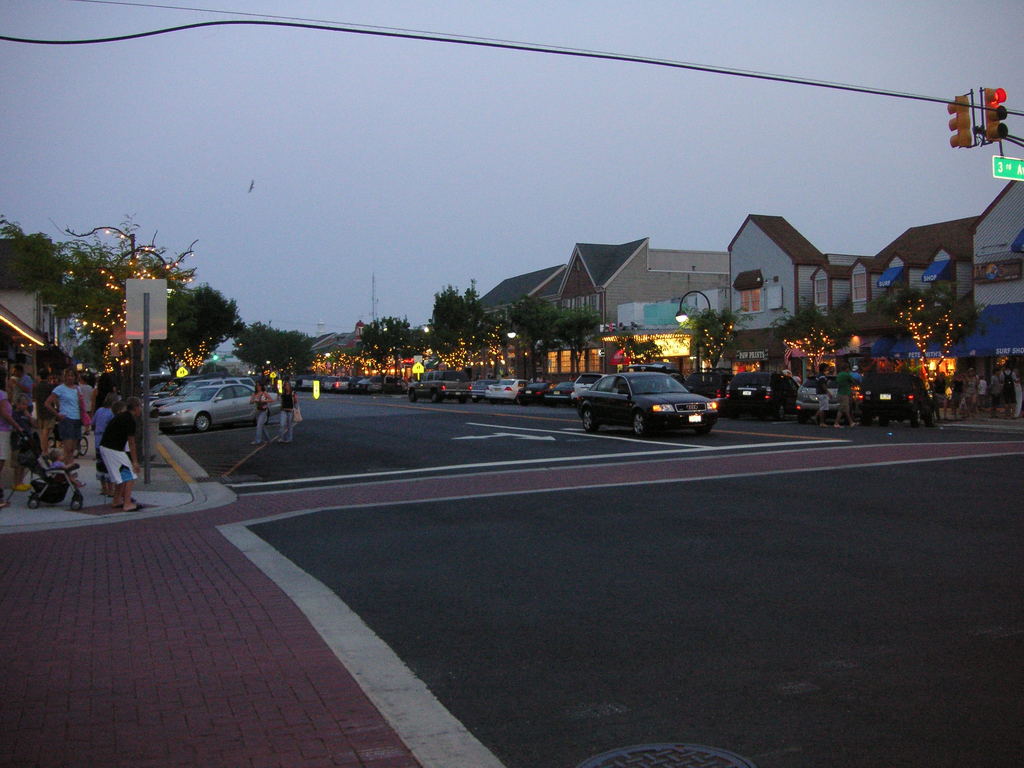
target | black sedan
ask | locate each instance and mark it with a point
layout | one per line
(534, 392)
(646, 402)
(560, 394)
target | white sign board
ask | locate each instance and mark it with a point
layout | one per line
(135, 292)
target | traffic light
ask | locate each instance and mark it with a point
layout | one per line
(995, 113)
(960, 123)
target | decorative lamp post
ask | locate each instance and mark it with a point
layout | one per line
(682, 317)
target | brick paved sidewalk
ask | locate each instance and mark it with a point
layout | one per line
(156, 643)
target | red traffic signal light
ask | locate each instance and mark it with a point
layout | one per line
(960, 123)
(995, 113)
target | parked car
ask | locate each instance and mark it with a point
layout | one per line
(304, 383)
(560, 394)
(204, 407)
(764, 394)
(535, 392)
(440, 385)
(190, 385)
(897, 396)
(479, 389)
(807, 399)
(377, 385)
(713, 384)
(646, 401)
(584, 382)
(506, 390)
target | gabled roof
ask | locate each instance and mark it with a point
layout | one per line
(784, 235)
(918, 245)
(994, 203)
(604, 261)
(514, 288)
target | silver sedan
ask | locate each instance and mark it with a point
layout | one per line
(205, 406)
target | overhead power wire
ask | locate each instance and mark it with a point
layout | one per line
(492, 44)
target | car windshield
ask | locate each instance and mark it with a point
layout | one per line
(198, 395)
(657, 385)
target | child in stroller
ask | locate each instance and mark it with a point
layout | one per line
(51, 479)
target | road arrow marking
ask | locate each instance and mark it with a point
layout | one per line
(505, 434)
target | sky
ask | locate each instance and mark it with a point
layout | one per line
(384, 170)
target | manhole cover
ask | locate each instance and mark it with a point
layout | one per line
(667, 756)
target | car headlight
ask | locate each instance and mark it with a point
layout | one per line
(659, 408)
(712, 405)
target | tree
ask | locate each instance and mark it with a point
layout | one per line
(460, 327)
(712, 332)
(266, 348)
(84, 278)
(573, 328)
(638, 350)
(815, 333)
(933, 315)
(199, 320)
(534, 322)
(386, 341)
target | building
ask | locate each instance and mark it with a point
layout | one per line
(998, 246)
(30, 331)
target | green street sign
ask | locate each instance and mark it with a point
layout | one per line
(1007, 168)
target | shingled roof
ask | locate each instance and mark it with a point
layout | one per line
(786, 236)
(918, 245)
(514, 288)
(603, 261)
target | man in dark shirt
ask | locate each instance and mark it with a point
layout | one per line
(120, 454)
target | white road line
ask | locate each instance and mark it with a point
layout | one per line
(525, 462)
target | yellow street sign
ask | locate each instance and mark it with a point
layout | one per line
(181, 372)
(316, 389)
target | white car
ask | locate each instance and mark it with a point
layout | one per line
(582, 383)
(505, 389)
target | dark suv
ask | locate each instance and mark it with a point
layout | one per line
(760, 393)
(896, 396)
(711, 384)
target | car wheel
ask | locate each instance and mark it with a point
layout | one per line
(883, 421)
(641, 426)
(803, 417)
(202, 422)
(780, 412)
(866, 419)
(412, 395)
(589, 422)
(929, 418)
(435, 396)
(915, 419)
(462, 398)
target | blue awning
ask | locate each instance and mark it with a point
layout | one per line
(938, 270)
(1018, 244)
(902, 349)
(1000, 332)
(891, 275)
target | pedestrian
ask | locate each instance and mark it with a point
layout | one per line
(262, 400)
(289, 404)
(982, 393)
(821, 389)
(120, 454)
(8, 426)
(969, 406)
(86, 385)
(110, 407)
(23, 417)
(1017, 386)
(939, 387)
(41, 391)
(1009, 392)
(995, 391)
(105, 384)
(65, 402)
(21, 382)
(844, 386)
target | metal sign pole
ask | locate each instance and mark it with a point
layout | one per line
(145, 387)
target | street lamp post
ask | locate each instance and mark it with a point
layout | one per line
(515, 364)
(682, 317)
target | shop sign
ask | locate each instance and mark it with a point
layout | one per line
(752, 354)
(996, 271)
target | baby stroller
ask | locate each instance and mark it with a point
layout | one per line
(49, 484)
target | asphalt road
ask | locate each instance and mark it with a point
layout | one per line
(800, 596)
(857, 617)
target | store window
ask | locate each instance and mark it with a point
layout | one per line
(750, 301)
